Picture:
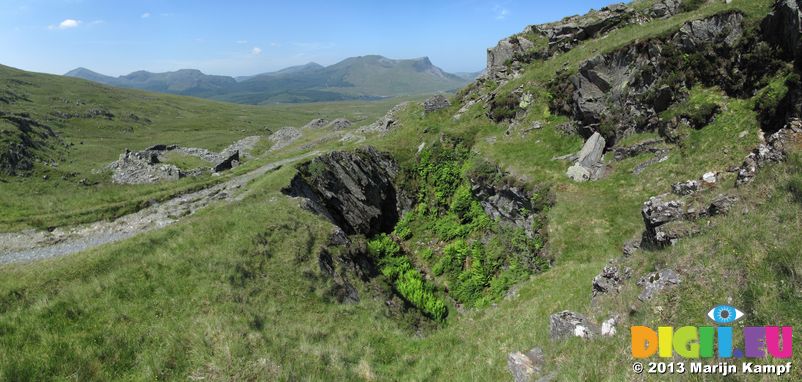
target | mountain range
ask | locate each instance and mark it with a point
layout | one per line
(364, 77)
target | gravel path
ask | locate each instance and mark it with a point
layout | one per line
(33, 245)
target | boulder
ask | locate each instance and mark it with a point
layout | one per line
(655, 282)
(609, 327)
(354, 190)
(657, 211)
(567, 324)
(722, 205)
(435, 103)
(588, 166)
(686, 188)
(610, 280)
(525, 366)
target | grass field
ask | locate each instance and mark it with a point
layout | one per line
(79, 188)
(234, 292)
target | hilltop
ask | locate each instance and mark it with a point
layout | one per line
(366, 77)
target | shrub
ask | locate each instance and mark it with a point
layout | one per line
(503, 107)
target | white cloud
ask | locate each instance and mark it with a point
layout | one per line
(66, 24)
(501, 12)
(145, 15)
(256, 51)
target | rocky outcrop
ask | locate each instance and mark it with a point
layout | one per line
(354, 190)
(567, 324)
(665, 8)
(657, 212)
(610, 280)
(345, 262)
(654, 283)
(435, 103)
(510, 205)
(502, 54)
(625, 90)
(783, 28)
(284, 137)
(142, 167)
(772, 151)
(567, 33)
(23, 141)
(524, 367)
(588, 164)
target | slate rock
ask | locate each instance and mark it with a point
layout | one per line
(567, 324)
(354, 190)
(435, 103)
(524, 367)
(655, 282)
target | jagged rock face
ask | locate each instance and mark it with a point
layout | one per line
(354, 190)
(623, 91)
(727, 29)
(438, 102)
(504, 51)
(605, 84)
(783, 27)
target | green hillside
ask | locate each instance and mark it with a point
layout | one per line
(264, 287)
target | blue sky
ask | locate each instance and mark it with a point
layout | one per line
(237, 37)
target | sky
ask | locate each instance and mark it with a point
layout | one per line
(237, 38)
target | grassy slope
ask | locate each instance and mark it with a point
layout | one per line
(203, 300)
(95, 142)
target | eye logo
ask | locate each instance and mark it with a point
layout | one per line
(724, 314)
